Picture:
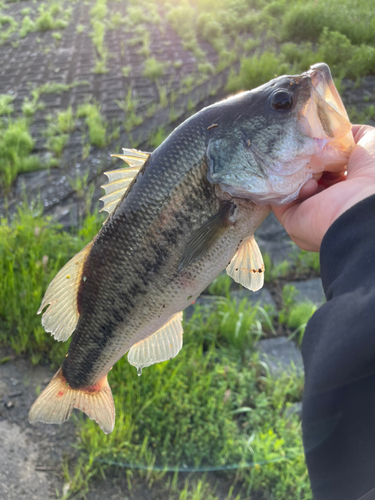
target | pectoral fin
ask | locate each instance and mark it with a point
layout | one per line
(247, 267)
(162, 345)
(62, 314)
(204, 239)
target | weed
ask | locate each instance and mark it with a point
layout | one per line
(27, 26)
(80, 28)
(83, 189)
(221, 286)
(187, 84)
(57, 36)
(151, 109)
(173, 114)
(32, 250)
(44, 22)
(153, 69)
(288, 297)
(157, 137)
(298, 317)
(274, 271)
(56, 88)
(57, 143)
(365, 116)
(6, 107)
(125, 70)
(95, 123)
(206, 68)
(129, 106)
(98, 13)
(16, 145)
(307, 261)
(256, 70)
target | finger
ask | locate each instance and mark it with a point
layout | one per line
(360, 130)
(281, 210)
(308, 189)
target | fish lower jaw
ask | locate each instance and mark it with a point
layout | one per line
(277, 189)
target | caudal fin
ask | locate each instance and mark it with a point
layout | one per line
(55, 404)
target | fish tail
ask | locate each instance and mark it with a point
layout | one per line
(55, 404)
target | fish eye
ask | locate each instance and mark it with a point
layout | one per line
(281, 100)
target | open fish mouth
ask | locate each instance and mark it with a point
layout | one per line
(325, 120)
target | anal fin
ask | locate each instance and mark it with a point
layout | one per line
(247, 267)
(55, 404)
(62, 315)
(162, 345)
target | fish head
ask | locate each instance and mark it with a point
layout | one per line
(269, 141)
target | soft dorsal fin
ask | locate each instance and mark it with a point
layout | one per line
(162, 345)
(120, 179)
(62, 314)
(247, 267)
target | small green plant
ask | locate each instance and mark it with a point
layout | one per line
(153, 69)
(256, 70)
(57, 143)
(298, 317)
(157, 137)
(126, 70)
(32, 250)
(6, 106)
(95, 123)
(30, 107)
(27, 26)
(129, 106)
(274, 271)
(221, 285)
(16, 145)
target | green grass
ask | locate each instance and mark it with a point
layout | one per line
(32, 250)
(157, 137)
(255, 71)
(214, 405)
(153, 69)
(48, 20)
(6, 107)
(129, 106)
(95, 123)
(27, 26)
(16, 145)
(98, 13)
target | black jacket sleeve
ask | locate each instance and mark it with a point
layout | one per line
(338, 416)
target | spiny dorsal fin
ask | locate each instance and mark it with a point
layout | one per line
(162, 345)
(120, 179)
(62, 314)
(133, 157)
(247, 267)
(55, 404)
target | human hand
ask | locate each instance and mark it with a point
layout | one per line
(307, 219)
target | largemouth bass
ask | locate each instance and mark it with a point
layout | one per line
(178, 217)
